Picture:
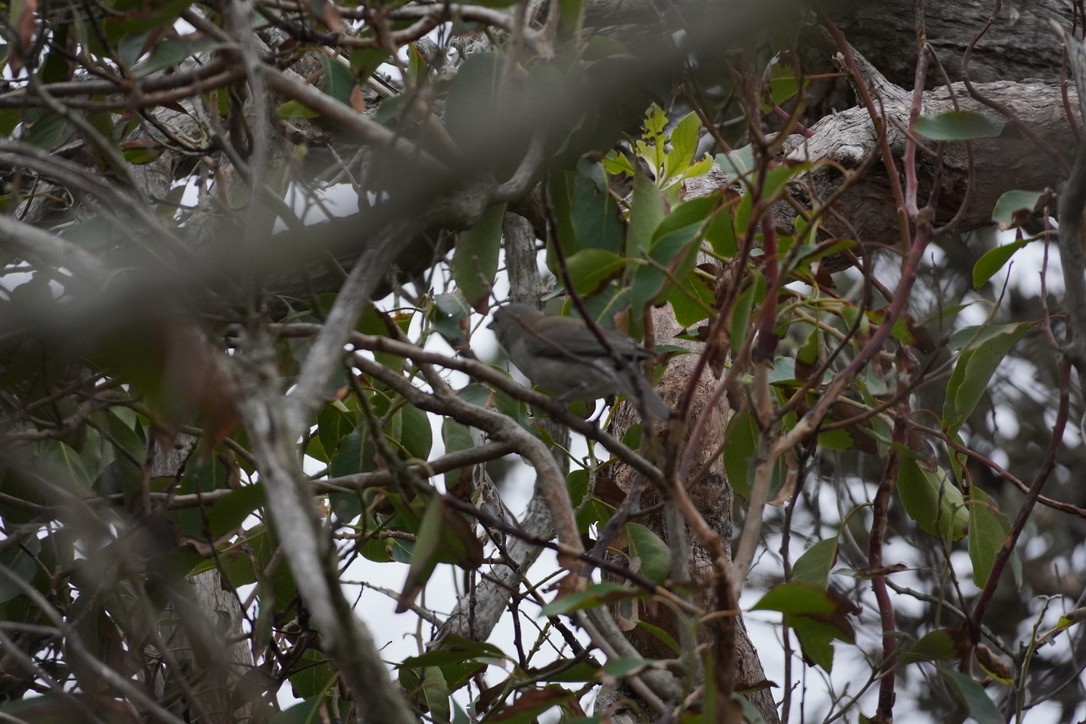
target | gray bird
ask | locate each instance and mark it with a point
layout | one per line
(564, 356)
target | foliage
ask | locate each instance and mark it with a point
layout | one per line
(208, 377)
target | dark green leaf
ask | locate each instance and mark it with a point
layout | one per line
(674, 244)
(475, 261)
(364, 61)
(230, 512)
(168, 53)
(988, 529)
(650, 550)
(18, 560)
(744, 305)
(993, 260)
(65, 464)
(416, 436)
(958, 126)
(474, 95)
(598, 594)
(742, 437)
(938, 645)
(424, 556)
(985, 349)
(625, 665)
(451, 317)
(798, 598)
(777, 177)
(355, 454)
(312, 674)
(443, 537)
(591, 269)
(973, 697)
(817, 615)
(436, 692)
(334, 423)
(646, 212)
(49, 131)
(932, 500)
(815, 639)
(304, 712)
(338, 81)
(455, 648)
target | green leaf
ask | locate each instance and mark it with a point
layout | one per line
(333, 425)
(598, 594)
(424, 556)
(985, 349)
(814, 565)
(49, 131)
(312, 675)
(777, 177)
(744, 305)
(455, 648)
(798, 598)
(338, 81)
(591, 269)
(416, 437)
(473, 95)
(651, 552)
(737, 163)
(305, 712)
(230, 511)
(742, 437)
(364, 61)
(451, 317)
(815, 639)
(60, 459)
(1015, 207)
(594, 212)
(993, 260)
(988, 529)
(443, 536)
(684, 144)
(355, 454)
(436, 692)
(623, 666)
(571, 16)
(783, 84)
(957, 126)
(475, 261)
(817, 615)
(168, 53)
(938, 645)
(973, 697)
(18, 560)
(674, 244)
(456, 437)
(294, 109)
(931, 499)
(647, 210)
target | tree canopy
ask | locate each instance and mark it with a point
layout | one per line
(255, 427)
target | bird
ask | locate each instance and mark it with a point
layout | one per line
(565, 357)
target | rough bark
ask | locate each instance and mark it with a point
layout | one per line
(1006, 162)
(1020, 44)
(713, 497)
(198, 626)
